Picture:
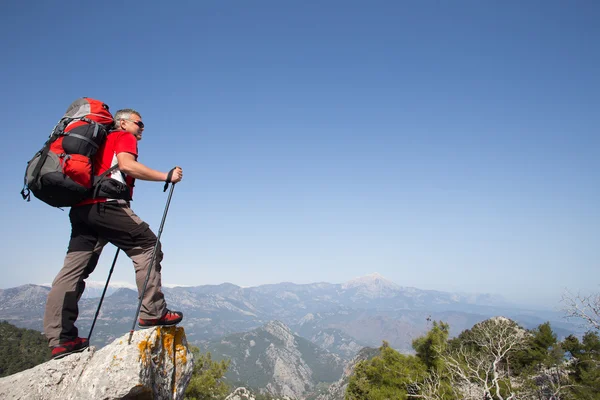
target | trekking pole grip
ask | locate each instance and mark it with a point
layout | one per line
(169, 177)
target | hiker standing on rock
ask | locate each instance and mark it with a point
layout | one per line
(108, 218)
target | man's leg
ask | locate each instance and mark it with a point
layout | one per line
(68, 286)
(153, 302)
(118, 224)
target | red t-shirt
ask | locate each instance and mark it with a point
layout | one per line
(116, 142)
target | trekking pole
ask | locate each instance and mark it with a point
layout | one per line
(151, 263)
(103, 293)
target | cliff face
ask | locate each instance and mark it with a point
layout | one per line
(273, 358)
(156, 365)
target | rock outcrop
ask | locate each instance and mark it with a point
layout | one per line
(240, 393)
(156, 365)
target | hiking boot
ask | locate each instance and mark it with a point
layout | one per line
(70, 347)
(170, 318)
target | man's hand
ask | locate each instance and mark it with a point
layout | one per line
(173, 176)
(177, 175)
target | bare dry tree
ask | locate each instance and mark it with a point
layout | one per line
(478, 366)
(431, 388)
(554, 381)
(583, 307)
(549, 383)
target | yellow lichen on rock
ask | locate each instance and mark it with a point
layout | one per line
(166, 346)
(180, 349)
(168, 341)
(146, 346)
(143, 346)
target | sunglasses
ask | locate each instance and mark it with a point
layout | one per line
(138, 123)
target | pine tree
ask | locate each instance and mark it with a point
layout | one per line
(430, 346)
(585, 365)
(207, 378)
(390, 375)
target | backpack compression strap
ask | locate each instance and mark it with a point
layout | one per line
(96, 129)
(103, 177)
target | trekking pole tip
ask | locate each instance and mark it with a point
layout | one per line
(130, 335)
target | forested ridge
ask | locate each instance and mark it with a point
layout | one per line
(21, 349)
(496, 359)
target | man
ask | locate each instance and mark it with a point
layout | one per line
(94, 222)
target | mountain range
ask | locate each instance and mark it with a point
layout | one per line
(276, 333)
(339, 317)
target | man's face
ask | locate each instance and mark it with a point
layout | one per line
(133, 125)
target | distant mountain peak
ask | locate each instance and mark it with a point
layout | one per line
(372, 286)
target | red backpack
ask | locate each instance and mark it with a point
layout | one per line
(61, 174)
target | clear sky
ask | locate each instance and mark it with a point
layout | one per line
(445, 145)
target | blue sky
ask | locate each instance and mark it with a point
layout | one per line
(445, 145)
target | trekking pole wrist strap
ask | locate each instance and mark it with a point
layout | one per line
(168, 180)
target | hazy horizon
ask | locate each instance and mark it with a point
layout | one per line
(97, 284)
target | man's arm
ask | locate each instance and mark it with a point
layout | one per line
(129, 165)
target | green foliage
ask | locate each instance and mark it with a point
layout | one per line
(585, 365)
(207, 378)
(432, 345)
(387, 376)
(541, 350)
(495, 359)
(541, 343)
(21, 349)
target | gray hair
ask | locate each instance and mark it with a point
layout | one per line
(125, 114)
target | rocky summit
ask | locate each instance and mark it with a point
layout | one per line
(156, 365)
